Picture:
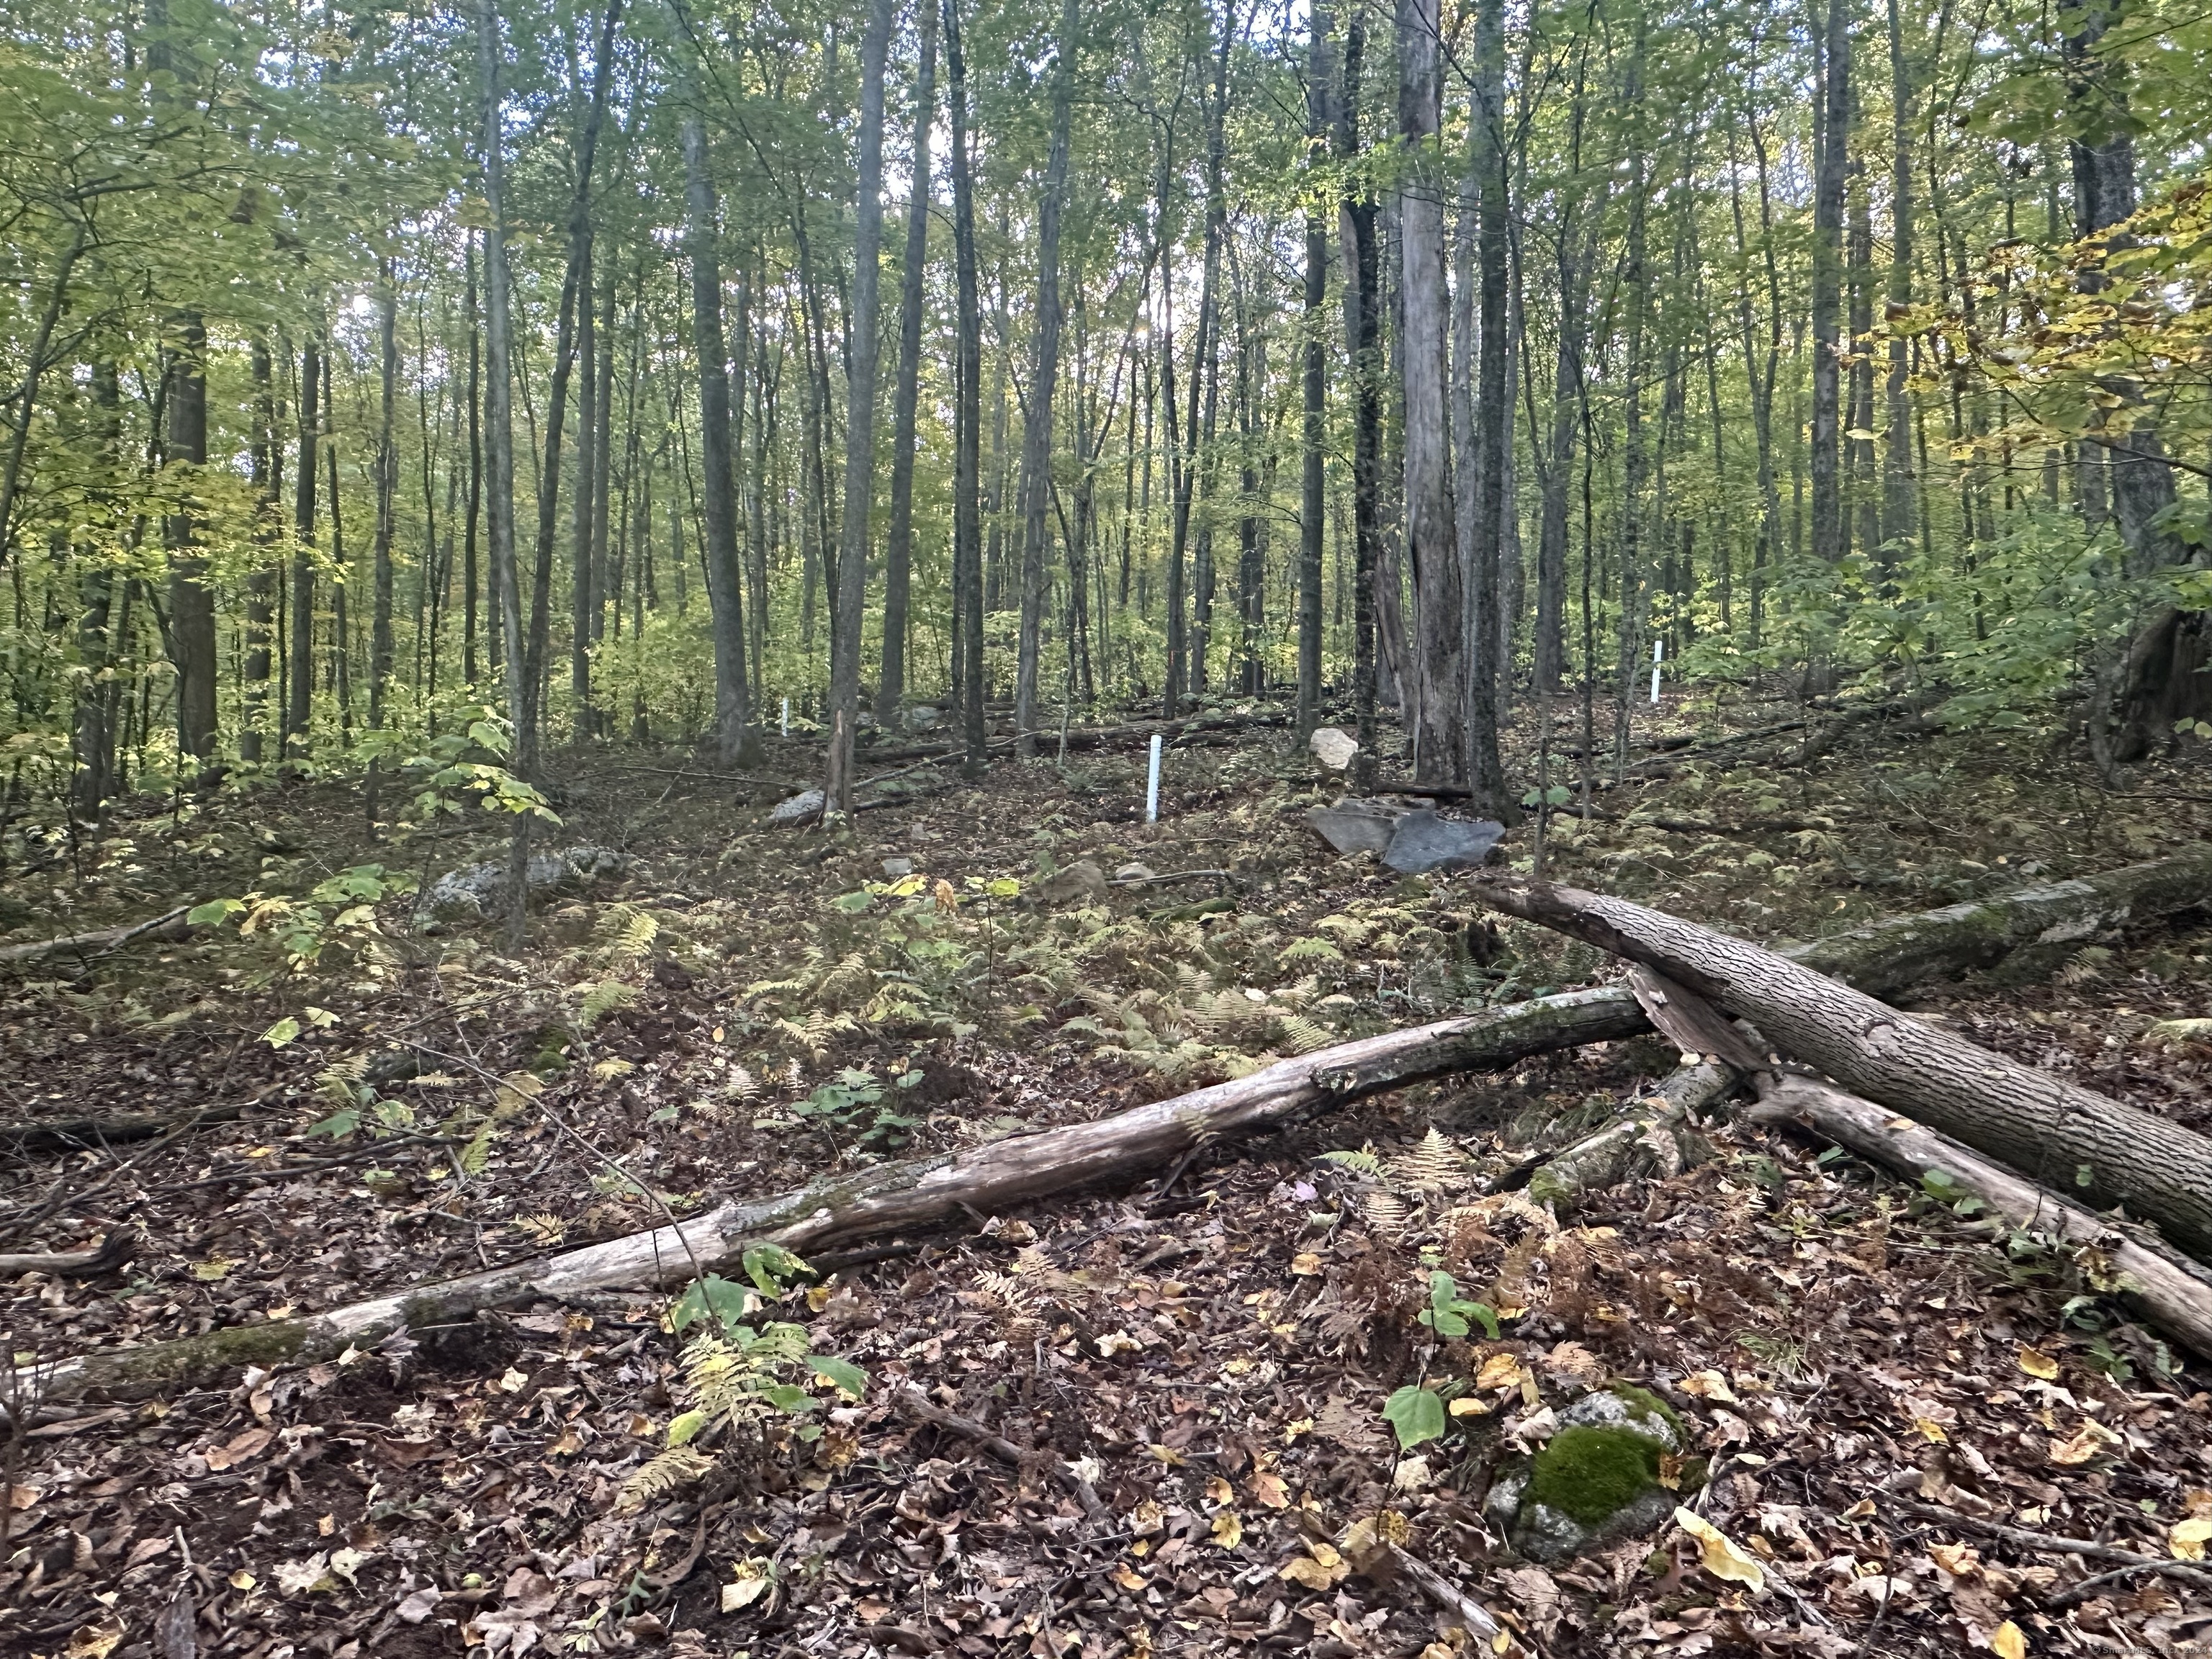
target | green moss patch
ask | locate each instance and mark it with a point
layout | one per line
(1591, 1474)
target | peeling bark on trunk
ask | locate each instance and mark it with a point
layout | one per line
(2108, 1152)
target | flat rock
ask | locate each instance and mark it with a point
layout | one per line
(1355, 825)
(897, 867)
(1082, 881)
(1597, 1480)
(1333, 746)
(1133, 873)
(803, 808)
(1423, 840)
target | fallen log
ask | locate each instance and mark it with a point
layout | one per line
(111, 1252)
(2174, 1295)
(910, 1194)
(77, 1133)
(2027, 933)
(98, 939)
(917, 1193)
(2109, 1152)
(1652, 1136)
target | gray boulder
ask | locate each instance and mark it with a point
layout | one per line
(1423, 841)
(470, 894)
(1333, 746)
(1354, 825)
(1082, 882)
(803, 808)
(1599, 1477)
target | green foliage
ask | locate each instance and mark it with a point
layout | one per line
(1449, 1313)
(1416, 1414)
(337, 914)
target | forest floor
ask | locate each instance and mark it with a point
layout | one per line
(1213, 1349)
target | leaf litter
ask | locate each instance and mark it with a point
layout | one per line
(1922, 1436)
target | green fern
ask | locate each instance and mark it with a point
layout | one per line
(1362, 1162)
(627, 932)
(678, 1470)
(602, 999)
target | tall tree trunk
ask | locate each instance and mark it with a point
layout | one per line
(1493, 422)
(475, 467)
(1036, 431)
(499, 372)
(99, 637)
(732, 712)
(1635, 280)
(859, 417)
(268, 539)
(387, 489)
(898, 549)
(192, 602)
(299, 698)
(575, 292)
(1363, 327)
(587, 452)
(1439, 703)
(968, 419)
(1896, 496)
(1834, 120)
(1313, 504)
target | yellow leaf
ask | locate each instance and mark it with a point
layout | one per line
(1466, 1404)
(1305, 1570)
(1292, 1431)
(1127, 1577)
(1721, 1558)
(2007, 1642)
(1710, 1385)
(1930, 1430)
(1218, 1491)
(1500, 1370)
(2036, 1363)
(1228, 1529)
(1167, 1455)
(755, 1577)
(2085, 1445)
(94, 1642)
(2188, 1538)
(215, 1267)
(1305, 1264)
(1269, 1489)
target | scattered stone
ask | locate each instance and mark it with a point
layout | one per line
(1333, 747)
(921, 718)
(1133, 873)
(896, 867)
(1597, 1480)
(1082, 880)
(1354, 825)
(1422, 841)
(802, 808)
(481, 890)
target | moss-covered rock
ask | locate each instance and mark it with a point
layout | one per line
(1597, 1479)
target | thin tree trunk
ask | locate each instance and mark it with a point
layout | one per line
(1439, 703)
(1825, 434)
(898, 551)
(300, 693)
(732, 712)
(860, 418)
(1321, 71)
(1897, 518)
(1363, 327)
(587, 452)
(261, 579)
(1036, 430)
(968, 420)
(192, 602)
(1494, 423)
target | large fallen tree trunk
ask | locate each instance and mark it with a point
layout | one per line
(2176, 1296)
(910, 1194)
(2103, 1150)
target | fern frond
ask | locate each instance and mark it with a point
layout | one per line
(602, 999)
(673, 1471)
(1386, 1216)
(1302, 1035)
(1433, 1165)
(1320, 950)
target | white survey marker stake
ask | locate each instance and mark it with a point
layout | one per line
(1658, 655)
(786, 717)
(1152, 784)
